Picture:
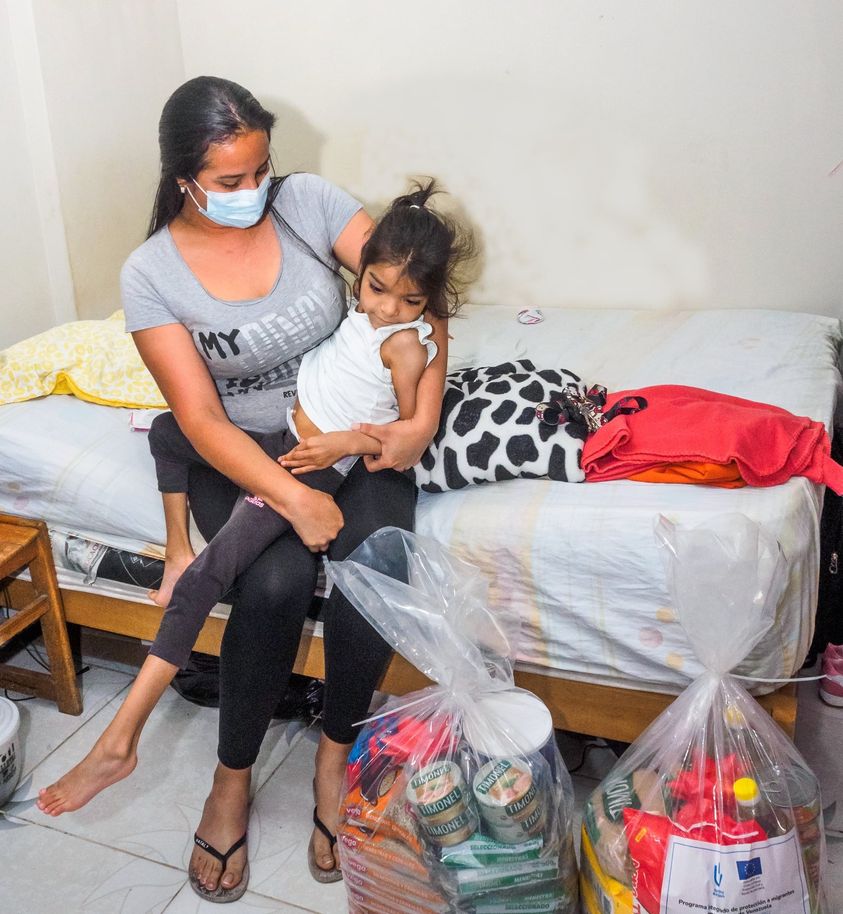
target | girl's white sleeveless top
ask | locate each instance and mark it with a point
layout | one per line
(343, 380)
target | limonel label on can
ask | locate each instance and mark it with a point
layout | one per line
(515, 833)
(438, 790)
(450, 801)
(491, 773)
(433, 773)
(521, 804)
(503, 784)
(533, 821)
(443, 829)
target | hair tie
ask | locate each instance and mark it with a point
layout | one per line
(416, 206)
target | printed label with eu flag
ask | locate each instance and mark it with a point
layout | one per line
(762, 878)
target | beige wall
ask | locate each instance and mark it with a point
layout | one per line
(107, 66)
(26, 301)
(649, 154)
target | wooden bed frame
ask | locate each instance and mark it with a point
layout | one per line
(607, 711)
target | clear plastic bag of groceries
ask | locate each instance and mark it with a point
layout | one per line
(712, 808)
(455, 796)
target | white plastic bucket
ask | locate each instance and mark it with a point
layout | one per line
(10, 757)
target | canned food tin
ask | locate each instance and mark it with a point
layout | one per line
(458, 829)
(503, 787)
(517, 832)
(796, 789)
(792, 787)
(509, 800)
(523, 807)
(438, 793)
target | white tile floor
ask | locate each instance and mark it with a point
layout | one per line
(126, 852)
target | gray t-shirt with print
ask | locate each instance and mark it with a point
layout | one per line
(252, 348)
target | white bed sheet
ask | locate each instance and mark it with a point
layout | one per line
(80, 467)
(579, 561)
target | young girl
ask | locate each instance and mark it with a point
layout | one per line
(366, 372)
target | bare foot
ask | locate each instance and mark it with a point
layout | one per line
(103, 766)
(331, 759)
(174, 567)
(224, 820)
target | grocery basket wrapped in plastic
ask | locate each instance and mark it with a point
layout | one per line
(455, 796)
(712, 809)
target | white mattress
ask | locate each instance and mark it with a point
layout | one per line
(579, 561)
(80, 467)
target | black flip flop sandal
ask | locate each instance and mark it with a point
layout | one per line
(220, 895)
(320, 875)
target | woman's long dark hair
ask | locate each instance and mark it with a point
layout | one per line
(204, 111)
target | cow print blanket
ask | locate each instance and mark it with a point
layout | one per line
(489, 430)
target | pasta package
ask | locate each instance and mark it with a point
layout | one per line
(455, 797)
(712, 808)
(603, 817)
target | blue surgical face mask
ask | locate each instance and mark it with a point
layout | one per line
(238, 208)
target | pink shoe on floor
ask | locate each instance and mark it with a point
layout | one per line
(831, 688)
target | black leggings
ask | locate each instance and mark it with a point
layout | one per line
(271, 599)
(251, 527)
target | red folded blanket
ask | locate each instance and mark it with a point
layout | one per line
(768, 444)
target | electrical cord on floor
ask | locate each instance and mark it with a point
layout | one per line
(585, 751)
(33, 651)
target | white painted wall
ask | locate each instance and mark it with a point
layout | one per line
(26, 302)
(107, 67)
(649, 154)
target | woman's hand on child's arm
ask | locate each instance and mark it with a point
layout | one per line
(318, 452)
(403, 442)
(402, 445)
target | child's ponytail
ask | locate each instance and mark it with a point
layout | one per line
(418, 197)
(432, 248)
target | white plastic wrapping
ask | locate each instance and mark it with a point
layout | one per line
(712, 809)
(455, 797)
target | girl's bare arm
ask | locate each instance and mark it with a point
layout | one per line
(403, 442)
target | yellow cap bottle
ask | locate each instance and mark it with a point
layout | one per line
(753, 804)
(746, 792)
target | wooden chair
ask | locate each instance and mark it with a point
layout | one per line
(26, 543)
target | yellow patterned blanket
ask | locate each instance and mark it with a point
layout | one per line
(93, 360)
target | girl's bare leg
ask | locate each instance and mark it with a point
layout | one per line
(178, 553)
(114, 755)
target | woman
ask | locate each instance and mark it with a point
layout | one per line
(237, 279)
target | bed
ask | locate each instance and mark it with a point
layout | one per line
(600, 642)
